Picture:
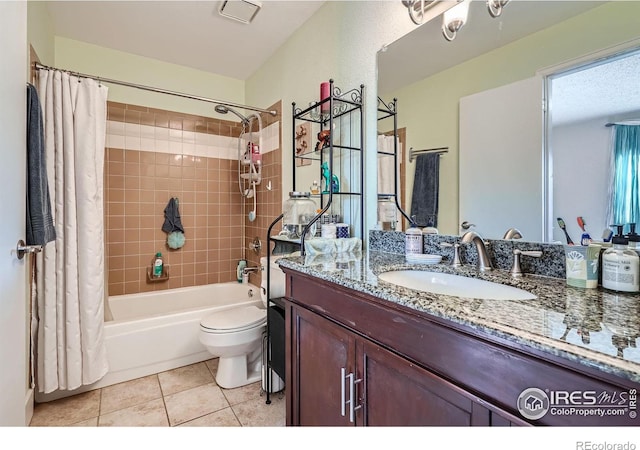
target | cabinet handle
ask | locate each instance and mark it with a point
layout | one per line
(352, 390)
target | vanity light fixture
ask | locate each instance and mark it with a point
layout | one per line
(418, 9)
(454, 19)
(241, 10)
(495, 7)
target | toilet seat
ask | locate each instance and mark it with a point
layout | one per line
(234, 320)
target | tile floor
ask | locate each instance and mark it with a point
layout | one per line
(183, 397)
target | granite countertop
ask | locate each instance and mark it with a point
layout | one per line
(594, 327)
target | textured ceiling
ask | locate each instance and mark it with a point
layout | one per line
(601, 90)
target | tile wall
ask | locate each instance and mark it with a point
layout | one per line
(153, 155)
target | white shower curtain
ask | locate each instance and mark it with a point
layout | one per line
(70, 288)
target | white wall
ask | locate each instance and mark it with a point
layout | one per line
(14, 403)
(580, 183)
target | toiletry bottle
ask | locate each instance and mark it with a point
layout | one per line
(620, 265)
(158, 264)
(413, 240)
(255, 154)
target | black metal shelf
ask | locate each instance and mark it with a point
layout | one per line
(339, 106)
(385, 111)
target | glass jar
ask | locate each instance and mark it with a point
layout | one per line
(299, 209)
(387, 214)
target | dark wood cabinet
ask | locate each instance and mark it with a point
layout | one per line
(365, 384)
(354, 359)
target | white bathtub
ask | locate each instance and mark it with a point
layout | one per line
(156, 331)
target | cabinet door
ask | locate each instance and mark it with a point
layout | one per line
(320, 350)
(396, 392)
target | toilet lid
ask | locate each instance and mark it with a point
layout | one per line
(234, 319)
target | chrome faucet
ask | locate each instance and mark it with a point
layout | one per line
(248, 270)
(484, 263)
(512, 233)
(516, 270)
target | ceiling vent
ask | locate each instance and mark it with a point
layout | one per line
(241, 10)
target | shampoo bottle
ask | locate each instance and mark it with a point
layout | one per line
(413, 240)
(158, 264)
(620, 265)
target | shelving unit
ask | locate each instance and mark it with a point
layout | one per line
(386, 111)
(341, 116)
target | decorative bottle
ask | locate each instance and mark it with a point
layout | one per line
(620, 265)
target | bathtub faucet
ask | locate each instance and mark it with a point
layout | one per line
(247, 270)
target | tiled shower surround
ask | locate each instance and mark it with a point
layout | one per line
(153, 155)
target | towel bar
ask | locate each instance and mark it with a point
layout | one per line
(22, 248)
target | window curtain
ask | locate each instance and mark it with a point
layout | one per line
(624, 191)
(70, 270)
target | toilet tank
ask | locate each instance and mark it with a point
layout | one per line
(277, 279)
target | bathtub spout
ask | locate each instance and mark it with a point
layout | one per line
(247, 270)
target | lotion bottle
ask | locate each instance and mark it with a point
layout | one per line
(413, 240)
(620, 265)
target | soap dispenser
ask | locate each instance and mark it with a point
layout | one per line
(620, 265)
(413, 240)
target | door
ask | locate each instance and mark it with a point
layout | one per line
(322, 349)
(396, 392)
(501, 132)
(13, 304)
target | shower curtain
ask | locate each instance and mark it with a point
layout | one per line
(70, 271)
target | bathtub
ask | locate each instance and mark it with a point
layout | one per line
(156, 331)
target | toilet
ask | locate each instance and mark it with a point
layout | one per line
(235, 336)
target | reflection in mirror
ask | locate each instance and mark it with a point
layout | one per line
(429, 76)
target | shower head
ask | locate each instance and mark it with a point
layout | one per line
(221, 109)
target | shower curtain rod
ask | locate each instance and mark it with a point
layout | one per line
(624, 122)
(413, 153)
(161, 91)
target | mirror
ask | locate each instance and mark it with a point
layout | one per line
(429, 75)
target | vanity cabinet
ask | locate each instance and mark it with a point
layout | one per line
(365, 384)
(354, 359)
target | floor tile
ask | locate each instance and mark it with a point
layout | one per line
(67, 411)
(194, 403)
(243, 393)
(150, 414)
(184, 378)
(130, 393)
(223, 418)
(256, 413)
(212, 364)
(93, 422)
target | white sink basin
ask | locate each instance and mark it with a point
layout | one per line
(454, 285)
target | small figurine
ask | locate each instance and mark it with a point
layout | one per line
(323, 140)
(326, 175)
